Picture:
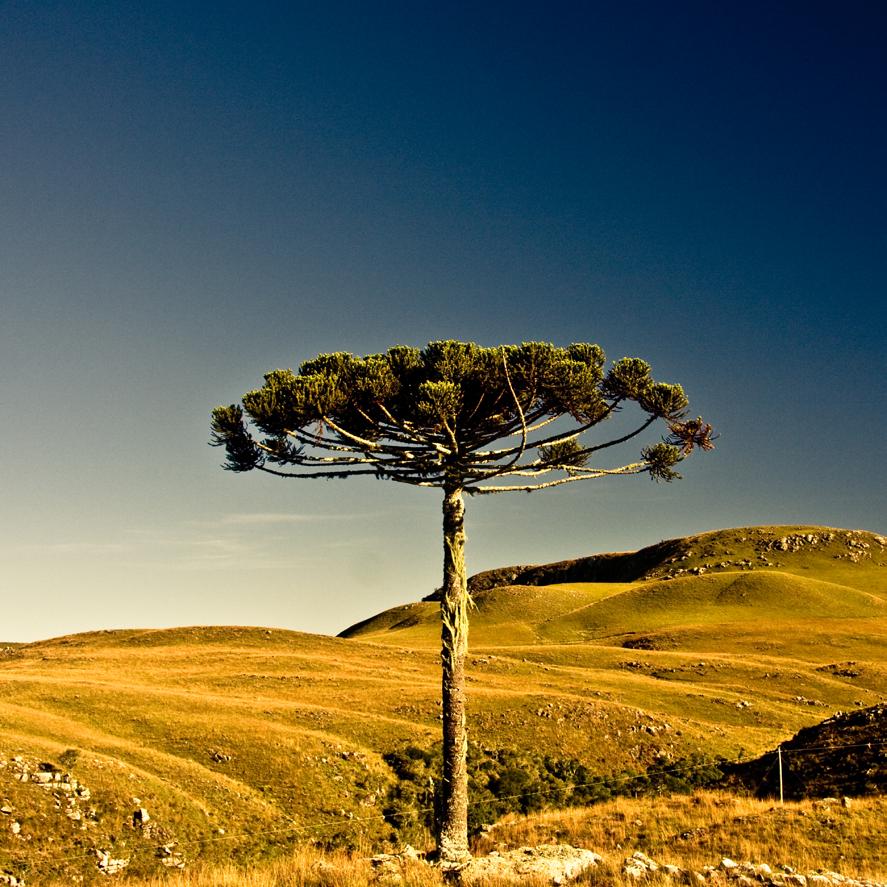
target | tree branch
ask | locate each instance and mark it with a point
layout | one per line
(406, 427)
(454, 443)
(633, 468)
(517, 471)
(375, 446)
(415, 482)
(520, 412)
(391, 430)
(508, 429)
(319, 460)
(612, 443)
(547, 441)
(316, 440)
(309, 474)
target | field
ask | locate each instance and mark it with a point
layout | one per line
(688, 831)
(245, 743)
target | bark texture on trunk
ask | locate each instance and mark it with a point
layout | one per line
(453, 826)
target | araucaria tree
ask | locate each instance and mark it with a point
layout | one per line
(466, 420)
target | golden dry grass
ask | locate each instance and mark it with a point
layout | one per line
(690, 832)
(278, 737)
(694, 830)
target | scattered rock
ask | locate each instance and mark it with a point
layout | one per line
(168, 856)
(556, 863)
(738, 874)
(803, 700)
(639, 866)
(324, 868)
(838, 757)
(108, 865)
(388, 868)
(841, 669)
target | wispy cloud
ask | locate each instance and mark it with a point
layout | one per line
(259, 539)
(264, 518)
(278, 518)
(75, 549)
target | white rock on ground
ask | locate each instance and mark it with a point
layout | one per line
(744, 874)
(557, 863)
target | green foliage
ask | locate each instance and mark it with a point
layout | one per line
(564, 453)
(664, 401)
(228, 430)
(456, 362)
(591, 355)
(573, 388)
(628, 379)
(282, 451)
(423, 415)
(508, 780)
(439, 403)
(681, 776)
(661, 459)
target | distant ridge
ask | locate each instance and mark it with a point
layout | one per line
(611, 567)
(786, 571)
(690, 554)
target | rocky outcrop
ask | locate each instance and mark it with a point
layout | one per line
(771, 548)
(555, 864)
(69, 794)
(108, 865)
(388, 868)
(844, 755)
(72, 800)
(559, 864)
(856, 544)
(170, 857)
(640, 867)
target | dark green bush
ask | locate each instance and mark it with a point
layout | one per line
(507, 780)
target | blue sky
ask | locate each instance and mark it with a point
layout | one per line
(194, 194)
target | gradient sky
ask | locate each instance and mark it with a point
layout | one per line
(194, 194)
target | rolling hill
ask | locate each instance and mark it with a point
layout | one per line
(239, 742)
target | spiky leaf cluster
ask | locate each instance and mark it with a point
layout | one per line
(564, 454)
(450, 413)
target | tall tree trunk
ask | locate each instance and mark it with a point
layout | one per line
(453, 825)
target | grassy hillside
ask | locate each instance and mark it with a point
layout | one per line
(830, 552)
(241, 742)
(688, 831)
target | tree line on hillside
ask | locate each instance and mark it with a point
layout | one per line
(510, 780)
